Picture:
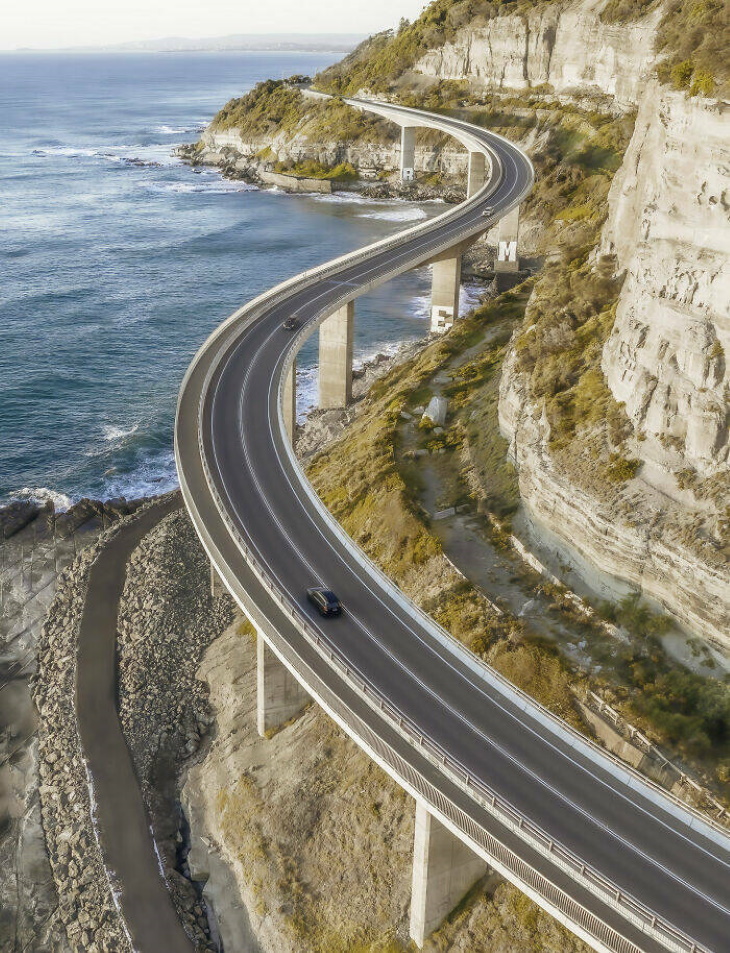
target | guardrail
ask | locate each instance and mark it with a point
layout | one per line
(480, 793)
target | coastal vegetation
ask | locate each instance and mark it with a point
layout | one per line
(313, 169)
(278, 107)
(694, 36)
(693, 40)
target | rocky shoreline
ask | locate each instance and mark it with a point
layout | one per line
(170, 652)
(256, 172)
(37, 547)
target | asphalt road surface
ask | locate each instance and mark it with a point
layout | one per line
(676, 872)
(122, 820)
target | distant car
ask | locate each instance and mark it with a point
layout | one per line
(489, 210)
(291, 324)
(325, 601)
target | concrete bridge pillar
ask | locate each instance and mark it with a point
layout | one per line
(336, 335)
(289, 402)
(279, 695)
(445, 291)
(444, 870)
(508, 232)
(477, 173)
(408, 153)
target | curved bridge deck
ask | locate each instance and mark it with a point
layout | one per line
(624, 867)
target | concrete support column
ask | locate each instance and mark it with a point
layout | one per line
(477, 173)
(336, 336)
(408, 154)
(279, 695)
(444, 869)
(508, 233)
(290, 401)
(445, 292)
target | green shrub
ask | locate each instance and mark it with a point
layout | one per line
(622, 11)
(681, 74)
(703, 83)
(694, 37)
(621, 469)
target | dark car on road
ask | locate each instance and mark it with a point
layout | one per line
(325, 601)
(291, 324)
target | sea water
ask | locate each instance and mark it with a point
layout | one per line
(117, 260)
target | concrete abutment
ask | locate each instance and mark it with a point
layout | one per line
(336, 336)
(279, 696)
(444, 870)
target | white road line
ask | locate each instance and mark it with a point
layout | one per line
(427, 644)
(358, 280)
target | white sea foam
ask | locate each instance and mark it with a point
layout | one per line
(68, 152)
(211, 186)
(397, 215)
(165, 130)
(129, 152)
(112, 433)
(154, 476)
(42, 494)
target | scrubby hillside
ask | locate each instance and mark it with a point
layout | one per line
(523, 44)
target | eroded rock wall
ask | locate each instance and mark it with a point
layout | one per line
(665, 360)
(669, 227)
(566, 46)
(222, 145)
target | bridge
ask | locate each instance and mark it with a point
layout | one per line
(499, 783)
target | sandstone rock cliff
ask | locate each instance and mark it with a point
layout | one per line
(664, 532)
(669, 228)
(221, 146)
(564, 45)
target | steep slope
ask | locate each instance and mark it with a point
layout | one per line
(615, 395)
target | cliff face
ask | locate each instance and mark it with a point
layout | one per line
(668, 226)
(565, 46)
(665, 531)
(638, 534)
(229, 145)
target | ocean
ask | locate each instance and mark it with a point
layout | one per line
(117, 260)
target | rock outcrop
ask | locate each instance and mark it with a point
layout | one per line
(565, 46)
(669, 226)
(228, 149)
(664, 532)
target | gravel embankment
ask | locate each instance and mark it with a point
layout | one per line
(167, 620)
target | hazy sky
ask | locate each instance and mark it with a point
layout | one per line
(46, 24)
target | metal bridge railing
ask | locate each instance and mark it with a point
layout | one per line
(481, 794)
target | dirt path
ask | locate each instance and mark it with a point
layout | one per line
(124, 827)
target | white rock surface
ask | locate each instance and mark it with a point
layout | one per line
(563, 45)
(436, 411)
(669, 226)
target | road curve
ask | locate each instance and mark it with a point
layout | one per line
(625, 867)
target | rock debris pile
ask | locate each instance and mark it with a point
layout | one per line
(167, 618)
(86, 903)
